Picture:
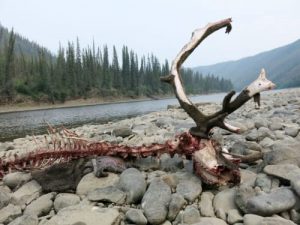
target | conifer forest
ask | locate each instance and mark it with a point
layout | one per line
(29, 71)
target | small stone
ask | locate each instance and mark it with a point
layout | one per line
(4, 198)
(164, 122)
(178, 219)
(16, 179)
(266, 142)
(276, 221)
(234, 216)
(146, 164)
(239, 148)
(169, 164)
(280, 134)
(277, 201)
(136, 216)
(249, 124)
(276, 126)
(283, 153)
(251, 219)
(252, 136)
(90, 182)
(10, 147)
(210, 221)
(156, 201)
(275, 183)
(295, 216)
(123, 132)
(206, 204)
(133, 183)
(176, 204)
(173, 107)
(64, 200)
(9, 213)
(103, 164)
(295, 183)
(170, 180)
(220, 213)
(189, 189)
(264, 182)
(25, 220)
(153, 175)
(27, 193)
(264, 132)
(166, 223)
(285, 215)
(292, 131)
(253, 146)
(259, 122)
(40, 206)
(85, 214)
(190, 215)
(248, 177)
(225, 200)
(297, 138)
(284, 171)
(243, 194)
(107, 194)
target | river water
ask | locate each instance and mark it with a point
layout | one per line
(20, 124)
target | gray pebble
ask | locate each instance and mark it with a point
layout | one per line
(136, 216)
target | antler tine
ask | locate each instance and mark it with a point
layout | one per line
(253, 90)
(175, 79)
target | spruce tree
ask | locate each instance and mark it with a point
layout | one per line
(117, 82)
(9, 69)
(165, 71)
(125, 69)
(78, 69)
(70, 70)
(60, 76)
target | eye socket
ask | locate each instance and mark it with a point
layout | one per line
(259, 84)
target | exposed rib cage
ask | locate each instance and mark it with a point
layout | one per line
(68, 146)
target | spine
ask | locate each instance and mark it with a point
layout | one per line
(75, 148)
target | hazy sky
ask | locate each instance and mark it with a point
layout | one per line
(158, 26)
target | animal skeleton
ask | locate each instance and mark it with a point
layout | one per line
(210, 162)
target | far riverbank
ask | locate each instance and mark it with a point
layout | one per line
(30, 105)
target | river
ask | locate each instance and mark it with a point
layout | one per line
(19, 124)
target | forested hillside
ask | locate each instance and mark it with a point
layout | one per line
(28, 71)
(282, 66)
(22, 45)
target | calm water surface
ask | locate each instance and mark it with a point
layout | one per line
(20, 124)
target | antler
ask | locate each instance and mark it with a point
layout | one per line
(206, 122)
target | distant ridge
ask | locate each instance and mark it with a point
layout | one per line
(22, 44)
(282, 66)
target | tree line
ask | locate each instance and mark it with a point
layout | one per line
(77, 72)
